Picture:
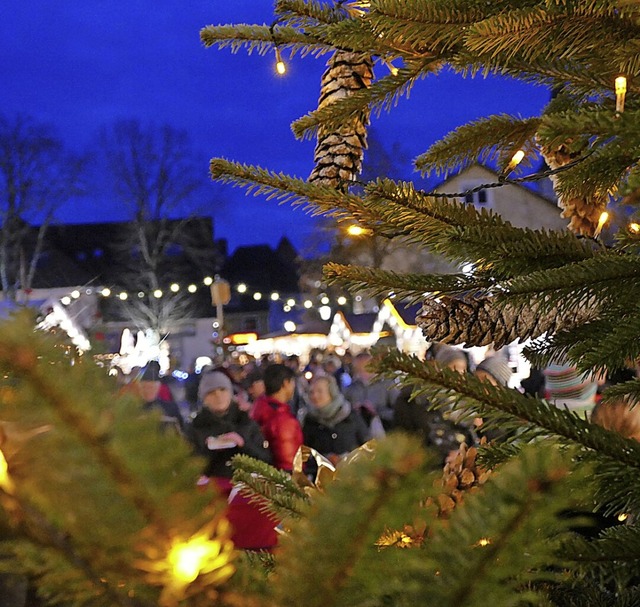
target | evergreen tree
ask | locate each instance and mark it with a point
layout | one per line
(110, 525)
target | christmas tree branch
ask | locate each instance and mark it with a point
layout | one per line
(381, 95)
(495, 544)
(261, 38)
(406, 287)
(468, 144)
(433, 381)
(272, 490)
(21, 358)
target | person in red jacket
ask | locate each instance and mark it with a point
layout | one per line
(272, 412)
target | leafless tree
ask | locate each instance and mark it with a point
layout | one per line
(37, 176)
(154, 173)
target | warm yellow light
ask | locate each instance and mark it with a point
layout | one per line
(187, 559)
(623, 517)
(6, 484)
(634, 227)
(483, 541)
(257, 296)
(308, 304)
(356, 230)
(290, 326)
(516, 159)
(75, 294)
(325, 301)
(275, 296)
(604, 216)
(123, 296)
(281, 68)
(291, 302)
(621, 90)
(175, 287)
(208, 281)
(192, 288)
(342, 300)
(157, 293)
(105, 292)
(242, 288)
(66, 300)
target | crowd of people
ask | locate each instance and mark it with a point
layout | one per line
(269, 409)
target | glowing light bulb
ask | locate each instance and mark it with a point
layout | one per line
(75, 294)
(623, 517)
(356, 230)
(242, 288)
(281, 68)
(157, 293)
(291, 302)
(604, 216)
(516, 159)
(257, 296)
(634, 227)
(105, 292)
(188, 558)
(208, 281)
(6, 484)
(192, 288)
(175, 287)
(123, 296)
(275, 296)
(290, 326)
(342, 300)
(66, 300)
(621, 91)
(308, 304)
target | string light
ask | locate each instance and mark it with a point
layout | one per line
(604, 216)
(623, 517)
(275, 296)
(241, 288)
(634, 227)
(157, 293)
(291, 302)
(192, 288)
(123, 296)
(356, 230)
(324, 301)
(105, 292)
(65, 301)
(75, 294)
(281, 68)
(308, 304)
(208, 281)
(516, 159)
(6, 484)
(289, 326)
(621, 91)
(175, 287)
(257, 296)
(342, 300)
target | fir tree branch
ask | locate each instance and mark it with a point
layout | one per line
(411, 287)
(381, 95)
(261, 39)
(628, 390)
(484, 140)
(483, 397)
(496, 542)
(272, 490)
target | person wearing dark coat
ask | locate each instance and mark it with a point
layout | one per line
(150, 390)
(331, 426)
(221, 430)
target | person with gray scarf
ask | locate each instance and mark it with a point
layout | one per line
(331, 426)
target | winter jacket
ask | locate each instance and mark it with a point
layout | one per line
(281, 429)
(171, 418)
(340, 435)
(377, 395)
(207, 424)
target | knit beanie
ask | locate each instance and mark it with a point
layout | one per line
(568, 388)
(446, 355)
(497, 367)
(213, 380)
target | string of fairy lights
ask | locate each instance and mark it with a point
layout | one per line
(288, 302)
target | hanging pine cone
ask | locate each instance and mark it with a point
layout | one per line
(339, 151)
(477, 321)
(583, 213)
(461, 476)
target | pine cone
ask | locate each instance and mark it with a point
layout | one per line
(460, 476)
(339, 152)
(474, 321)
(583, 214)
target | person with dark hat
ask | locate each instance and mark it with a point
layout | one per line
(149, 388)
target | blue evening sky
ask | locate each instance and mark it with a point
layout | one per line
(82, 65)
